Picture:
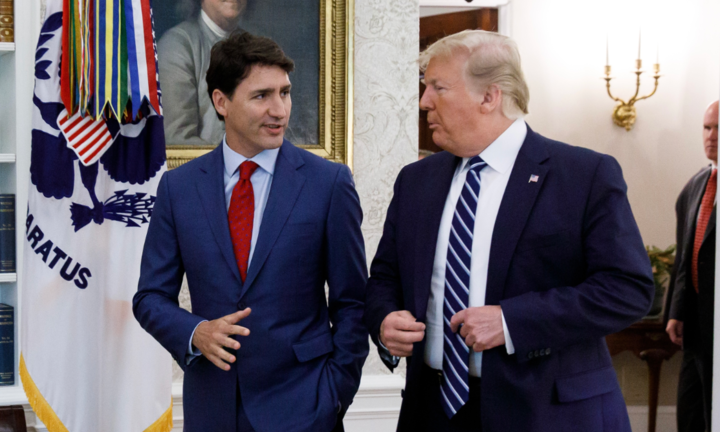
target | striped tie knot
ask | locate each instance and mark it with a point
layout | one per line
(247, 169)
(477, 164)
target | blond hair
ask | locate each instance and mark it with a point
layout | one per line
(493, 59)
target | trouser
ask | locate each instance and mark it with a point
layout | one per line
(694, 397)
(428, 414)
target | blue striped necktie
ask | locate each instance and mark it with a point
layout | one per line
(456, 354)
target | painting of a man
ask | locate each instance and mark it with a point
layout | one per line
(184, 55)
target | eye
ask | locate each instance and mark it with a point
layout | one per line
(260, 96)
(285, 93)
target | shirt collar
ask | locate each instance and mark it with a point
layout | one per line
(219, 32)
(265, 159)
(501, 154)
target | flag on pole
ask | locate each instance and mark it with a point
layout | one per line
(86, 365)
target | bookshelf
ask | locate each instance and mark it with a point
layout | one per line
(17, 61)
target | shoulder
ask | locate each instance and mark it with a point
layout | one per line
(696, 182)
(571, 154)
(578, 164)
(184, 34)
(429, 165)
(187, 170)
(310, 164)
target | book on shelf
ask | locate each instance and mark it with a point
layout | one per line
(7, 233)
(7, 21)
(7, 345)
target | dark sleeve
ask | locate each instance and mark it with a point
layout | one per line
(675, 306)
(347, 277)
(155, 304)
(384, 289)
(618, 288)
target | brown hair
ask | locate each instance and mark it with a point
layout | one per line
(232, 58)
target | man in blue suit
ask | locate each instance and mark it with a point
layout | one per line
(259, 227)
(504, 261)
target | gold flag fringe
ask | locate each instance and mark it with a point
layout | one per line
(38, 403)
(164, 423)
(46, 414)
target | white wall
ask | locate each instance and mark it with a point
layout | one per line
(562, 43)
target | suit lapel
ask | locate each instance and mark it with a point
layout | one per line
(517, 203)
(431, 200)
(284, 191)
(211, 188)
(711, 224)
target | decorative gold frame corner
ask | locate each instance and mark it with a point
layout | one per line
(335, 90)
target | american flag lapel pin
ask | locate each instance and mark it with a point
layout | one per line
(534, 178)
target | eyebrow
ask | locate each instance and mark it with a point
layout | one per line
(270, 90)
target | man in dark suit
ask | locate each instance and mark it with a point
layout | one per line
(504, 261)
(691, 296)
(258, 224)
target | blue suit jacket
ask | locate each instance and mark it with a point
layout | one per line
(567, 266)
(294, 368)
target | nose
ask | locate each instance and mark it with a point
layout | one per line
(277, 107)
(714, 134)
(426, 101)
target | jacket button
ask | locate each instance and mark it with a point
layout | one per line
(241, 305)
(537, 353)
(530, 355)
(547, 351)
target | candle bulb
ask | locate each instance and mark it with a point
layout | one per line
(607, 50)
(639, 42)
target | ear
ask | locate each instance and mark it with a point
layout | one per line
(491, 99)
(219, 100)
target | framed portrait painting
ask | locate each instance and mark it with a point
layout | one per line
(317, 35)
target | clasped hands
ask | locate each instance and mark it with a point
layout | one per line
(212, 337)
(481, 327)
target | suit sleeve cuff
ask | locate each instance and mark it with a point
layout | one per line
(389, 359)
(508, 340)
(192, 352)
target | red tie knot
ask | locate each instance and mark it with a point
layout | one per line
(713, 176)
(247, 169)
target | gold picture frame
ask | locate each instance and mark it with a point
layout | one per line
(335, 90)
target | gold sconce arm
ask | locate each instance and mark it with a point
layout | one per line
(657, 79)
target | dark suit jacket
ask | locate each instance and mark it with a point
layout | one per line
(294, 368)
(567, 266)
(682, 303)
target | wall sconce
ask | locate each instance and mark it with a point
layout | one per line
(624, 113)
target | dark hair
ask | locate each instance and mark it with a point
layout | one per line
(232, 58)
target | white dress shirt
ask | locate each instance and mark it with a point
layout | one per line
(261, 181)
(500, 157)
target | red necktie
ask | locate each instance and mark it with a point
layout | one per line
(240, 216)
(706, 208)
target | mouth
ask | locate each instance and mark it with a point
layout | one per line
(274, 128)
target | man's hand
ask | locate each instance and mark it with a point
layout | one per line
(399, 330)
(211, 336)
(675, 330)
(480, 326)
